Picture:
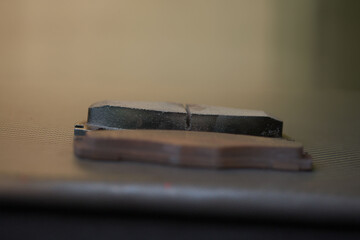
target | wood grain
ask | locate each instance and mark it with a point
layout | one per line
(196, 149)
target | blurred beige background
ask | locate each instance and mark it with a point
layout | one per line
(298, 60)
(200, 51)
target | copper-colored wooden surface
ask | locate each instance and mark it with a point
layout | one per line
(198, 149)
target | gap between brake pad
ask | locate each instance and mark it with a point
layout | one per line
(176, 116)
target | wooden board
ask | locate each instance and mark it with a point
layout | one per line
(195, 149)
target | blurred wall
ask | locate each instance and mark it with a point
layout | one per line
(203, 51)
(337, 40)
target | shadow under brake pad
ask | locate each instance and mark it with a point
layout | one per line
(187, 135)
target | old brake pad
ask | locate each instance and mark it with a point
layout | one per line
(175, 116)
(144, 131)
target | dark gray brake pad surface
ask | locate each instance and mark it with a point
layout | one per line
(175, 116)
(232, 120)
(137, 115)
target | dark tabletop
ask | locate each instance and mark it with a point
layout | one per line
(38, 164)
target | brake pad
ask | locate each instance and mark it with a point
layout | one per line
(204, 136)
(175, 116)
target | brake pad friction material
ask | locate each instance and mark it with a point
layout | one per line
(232, 120)
(195, 149)
(175, 116)
(137, 115)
